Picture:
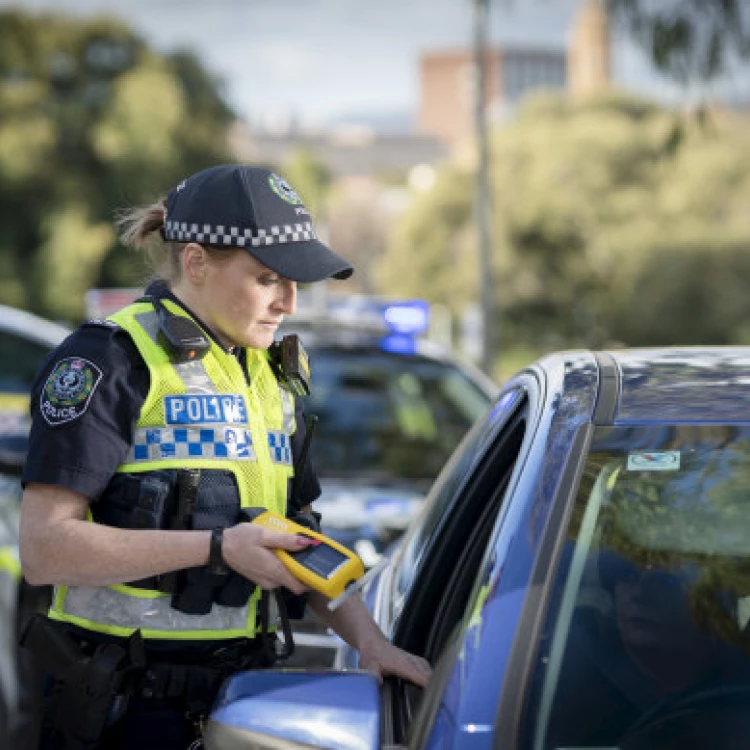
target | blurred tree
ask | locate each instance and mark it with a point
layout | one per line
(91, 120)
(431, 252)
(607, 233)
(688, 40)
(357, 229)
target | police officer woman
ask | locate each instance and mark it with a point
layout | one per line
(151, 431)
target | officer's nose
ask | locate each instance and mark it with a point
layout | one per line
(287, 301)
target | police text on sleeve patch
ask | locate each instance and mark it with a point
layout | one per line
(68, 390)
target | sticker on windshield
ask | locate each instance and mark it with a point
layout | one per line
(654, 461)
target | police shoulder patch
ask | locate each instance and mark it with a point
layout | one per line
(67, 393)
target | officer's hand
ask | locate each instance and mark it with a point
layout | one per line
(383, 659)
(248, 549)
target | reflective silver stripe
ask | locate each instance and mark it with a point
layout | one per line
(195, 377)
(193, 374)
(149, 321)
(167, 443)
(287, 410)
(110, 607)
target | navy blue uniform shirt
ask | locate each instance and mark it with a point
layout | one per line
(81, 446)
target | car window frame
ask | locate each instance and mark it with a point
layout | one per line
(474, 441)
(566, 402)
(399, 713)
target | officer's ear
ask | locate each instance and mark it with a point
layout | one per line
(194, 262)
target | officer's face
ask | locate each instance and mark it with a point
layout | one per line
(242, 300)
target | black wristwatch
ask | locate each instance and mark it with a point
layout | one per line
(216, 562)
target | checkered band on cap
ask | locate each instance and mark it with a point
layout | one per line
(183, 231)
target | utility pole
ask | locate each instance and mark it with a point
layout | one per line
(482, 202)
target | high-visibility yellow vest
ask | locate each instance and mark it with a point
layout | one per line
(200, 414)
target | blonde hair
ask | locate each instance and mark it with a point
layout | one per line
(137, 228)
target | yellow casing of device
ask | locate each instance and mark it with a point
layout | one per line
(348, 572)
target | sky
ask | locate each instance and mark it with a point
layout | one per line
(323, 61)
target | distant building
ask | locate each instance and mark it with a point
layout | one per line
(589, 65)
(346, 151)
(446, 108)
(447, 101)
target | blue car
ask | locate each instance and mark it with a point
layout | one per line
(579, 577)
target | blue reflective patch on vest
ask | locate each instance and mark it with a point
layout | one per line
(280, 447)
(155, 443)
(205, 409)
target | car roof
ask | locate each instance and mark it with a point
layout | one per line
(31, 327)
(659, 385)
(685, 384)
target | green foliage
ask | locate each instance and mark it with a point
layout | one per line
(690, 39)
(431, 253)
(602, 231)
(91, 120)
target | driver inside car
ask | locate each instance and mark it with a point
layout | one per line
(637, 660)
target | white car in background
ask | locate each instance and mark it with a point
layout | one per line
(25, 341)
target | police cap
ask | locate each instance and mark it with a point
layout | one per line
(238, 205)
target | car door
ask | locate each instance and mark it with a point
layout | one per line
(439, 563)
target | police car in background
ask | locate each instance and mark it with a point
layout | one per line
(391, 407)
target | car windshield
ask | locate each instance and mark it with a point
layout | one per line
(388, 417)
(646, 642)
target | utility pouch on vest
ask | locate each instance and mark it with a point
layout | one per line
(196, 589)
(235, 591)
(86, 685)
(188, 481)
(138, 501)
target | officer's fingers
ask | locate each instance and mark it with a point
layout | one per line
(284, 576)
(263, 566)
(248, 534)
(278, 576)
(280, 540)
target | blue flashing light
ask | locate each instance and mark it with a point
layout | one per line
(398, 343)
(410, 317)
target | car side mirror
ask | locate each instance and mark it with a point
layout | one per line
(262, 709)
